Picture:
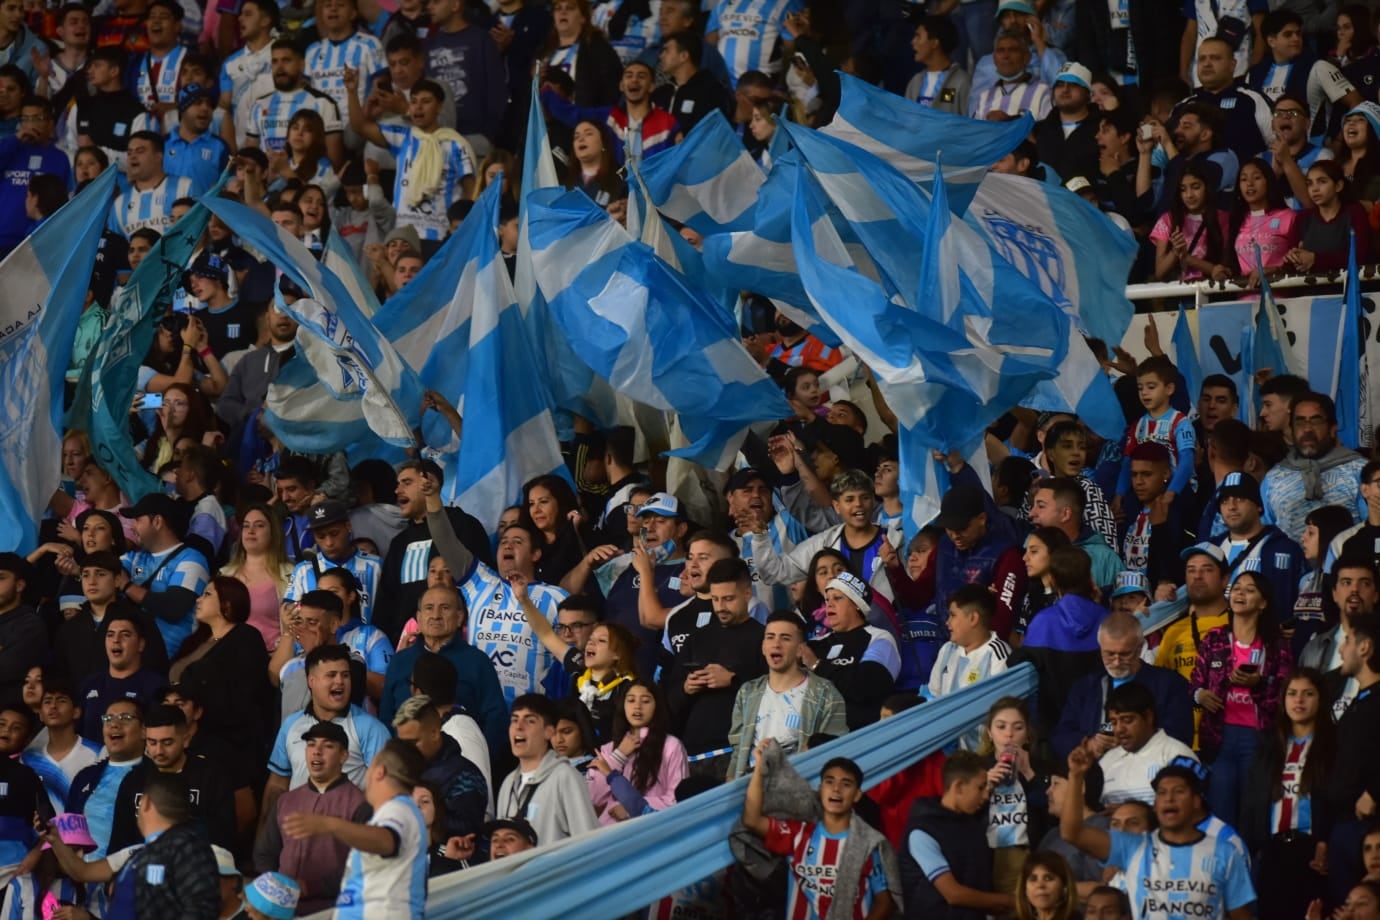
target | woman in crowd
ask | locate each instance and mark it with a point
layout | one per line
(426, 795)
(1260, 220)
(1355, 36)
(1045, 890)
(552, 506)
(583, 52)
(574, 739)
(1039, 592)
(641, 756)
(763, 126)
(1237, 680)
(304, 157)
(823, 567)
(1284, 807)
(610, 662)
(861, 660)
(259, 560)
(594, 171)
(499, 160)
(316, 216)
(1359, 153)
(1325, 229)
(184, 413)
(1018, 799)
(1313, 610)
(1190, 237)
(88, 163)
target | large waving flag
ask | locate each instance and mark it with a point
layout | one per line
(487, 366)
(1061, 242)
(345, 266)
(111, 379)
(707, 181)
(1186, 353)
(45, 280)
(949, 365)
(1349, 368)
(639, 325)
(911, 137)
(374, 390)
(1260, 348)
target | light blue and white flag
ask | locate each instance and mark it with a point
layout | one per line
(1065, 245)
(707, 181)
(45, 280)
(1186, 354)
(1260, 348)
(639, 325)
(949, 365)
(111, 377)
(1352, 341)
(478, 355)
(911, 137)
(342, 262)
(367, 385)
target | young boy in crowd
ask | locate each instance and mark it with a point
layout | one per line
(817, 852)
(973, 652)
(545, 789)
(946, 865)
(1161, 424)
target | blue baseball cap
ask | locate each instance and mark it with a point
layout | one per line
(1131, 583)
(1015, 6)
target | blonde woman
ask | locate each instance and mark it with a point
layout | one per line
(260, 561)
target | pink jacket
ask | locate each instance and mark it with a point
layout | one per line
(662, 793)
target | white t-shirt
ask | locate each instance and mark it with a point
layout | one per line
(1127, 776)
(389, 887)
(778, 716)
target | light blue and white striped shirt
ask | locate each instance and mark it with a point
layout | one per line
(268, 122)
(749, 32)
(179, 567)
(499, 629)
(366, 568)
(328, 59)
(387, 887)
(1203, 879)
(429, 215)
(134, 210)
(149, 90)
(240, 70)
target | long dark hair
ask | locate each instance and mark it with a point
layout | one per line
(1267, 622)
(1212, 229)
(1318, 765)
(560, 490)
(1274, 200)
(1330, 521)
(1037, 598)
(1363, 41)
(811, 598)
(647, 760)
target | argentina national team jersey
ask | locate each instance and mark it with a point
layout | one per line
(327, 60)
(152, 88)
(499, 629)
(429, 215)
(1203, 879)
(366, 568)
(134, 209)
(268, 122)
(749, 32)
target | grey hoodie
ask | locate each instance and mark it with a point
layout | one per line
(557, 808)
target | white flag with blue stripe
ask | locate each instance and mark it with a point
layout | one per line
(639, 325)
(911, 137)
(1065, 245)
(45, 280)
(707, 181)
(373, 389)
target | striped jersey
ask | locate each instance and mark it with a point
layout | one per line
(1203, 879)
(750, 33)
(808, 352)
(499, 629)
(428, 216)
(1135, 546)
(1008, 815)
(57, 775)
(784, 532)
(156, 78)
(366, 568)
(179, 567)
(240, 70)
(388, 887)
(1013, 97)
(327, 61)
(1294, 809)
(813, 855)
(134, 209)
(268, 121)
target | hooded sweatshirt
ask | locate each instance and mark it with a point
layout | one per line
(1062, 644)
(995, 562)
(554, 799)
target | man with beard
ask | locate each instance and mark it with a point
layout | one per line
(1354, 592)
(1251, 545)
(193, 149)
(1317, 471)
(799, 348)
(268, 120)
(705, 548)
(752, 511)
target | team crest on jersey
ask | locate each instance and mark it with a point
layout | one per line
(1281, 560)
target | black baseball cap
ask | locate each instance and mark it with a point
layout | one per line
(327, 731)
(103, 559)
(324, 514)
(153, 504)
(13, 562)
(960, 505)
(741, 478)
(519, 825)
(1240, 485)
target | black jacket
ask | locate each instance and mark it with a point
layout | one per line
(1357, 767)
(1257, 793)
(213, 805)
(80, 641)
(963, 841)
(702, 718)
(466, 794)
(1075, 155)
(699, 96)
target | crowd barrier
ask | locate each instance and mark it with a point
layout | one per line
(621, 868)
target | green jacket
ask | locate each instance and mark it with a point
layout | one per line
(822, 711)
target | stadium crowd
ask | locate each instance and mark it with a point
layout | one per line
(287, 684)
